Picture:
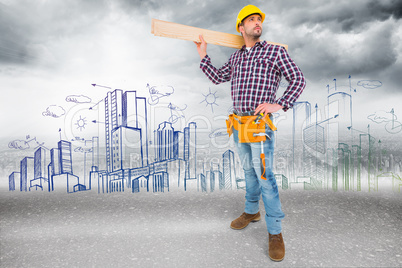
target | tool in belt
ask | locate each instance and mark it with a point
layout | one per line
(251, 128)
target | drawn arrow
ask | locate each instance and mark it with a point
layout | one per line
(95, 85)
(94, 121)
(90, 108)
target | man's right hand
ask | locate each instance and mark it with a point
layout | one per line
(201, 47)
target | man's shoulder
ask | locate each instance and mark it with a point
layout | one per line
(273, 47)
(235, 55)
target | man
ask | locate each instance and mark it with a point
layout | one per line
(255, 72)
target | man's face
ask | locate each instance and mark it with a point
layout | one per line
(252, 26)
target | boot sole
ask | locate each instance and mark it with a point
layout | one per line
(254, 220)
(276, 259)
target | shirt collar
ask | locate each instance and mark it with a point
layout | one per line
(258, 44)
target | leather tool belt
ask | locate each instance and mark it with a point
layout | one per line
(248, 125)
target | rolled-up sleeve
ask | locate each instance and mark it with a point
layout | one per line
(217, 76)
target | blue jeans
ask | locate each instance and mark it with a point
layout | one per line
(249, 154)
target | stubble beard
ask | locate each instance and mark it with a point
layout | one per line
(252, 34)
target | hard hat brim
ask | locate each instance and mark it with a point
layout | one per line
(247, 11)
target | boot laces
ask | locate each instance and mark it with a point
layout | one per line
(275, 237)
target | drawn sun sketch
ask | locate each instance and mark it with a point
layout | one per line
(210, 99)
(81, 123)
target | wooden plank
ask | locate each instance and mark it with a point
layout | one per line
(184, 32)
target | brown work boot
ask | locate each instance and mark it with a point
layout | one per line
(276, 247)
(244, 219)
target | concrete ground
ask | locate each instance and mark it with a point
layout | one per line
(191, 229)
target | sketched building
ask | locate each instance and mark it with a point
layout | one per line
(203, 182)
(343, 168)
(40, 170)
(95, 153)
(126, 130)
(314, 154)
(65, 154)
(167, 157)
(14, 181)
(355, 168)
(55, 162)
(301, 118)
(94, 174)
(190, 152)
(126, 136)
(368, 150)
(229, 169)
(216, 176)
(61, 169)
(339, 103)
(165, 142)
(27, 172)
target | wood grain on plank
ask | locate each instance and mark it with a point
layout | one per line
(184, 32)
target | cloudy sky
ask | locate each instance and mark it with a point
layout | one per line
(52, 51)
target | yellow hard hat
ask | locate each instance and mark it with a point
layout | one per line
(247, 11)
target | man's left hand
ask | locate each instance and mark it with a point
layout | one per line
(266, 108)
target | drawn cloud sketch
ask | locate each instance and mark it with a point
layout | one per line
(25, 144)
(18, 144)
(78, 99)
(370, 84)
(54, 111)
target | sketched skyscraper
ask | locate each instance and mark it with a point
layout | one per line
(164, 141)
(126, 130)
(229, 169)
(55, 161)
(95, 154)
(344, 160)
(61, 171)
(66, 163)
(40, 163)
(14, 181)
(190, 150)
(26, 172)
(368, 151)
(339, 103)
(216, 177)
(40, 169)
(301, 119)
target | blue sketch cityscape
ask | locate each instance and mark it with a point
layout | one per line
(326, 152)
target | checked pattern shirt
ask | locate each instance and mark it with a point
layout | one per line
(255, 76)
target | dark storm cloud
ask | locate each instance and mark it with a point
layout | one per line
(383, 10)
(318, 33)
(13, 37)
(26, 25)
(340, 38)
(372, 54)
(326, 38)
(346, 16)
(203, 14)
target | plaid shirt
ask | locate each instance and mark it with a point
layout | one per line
(255, 76)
